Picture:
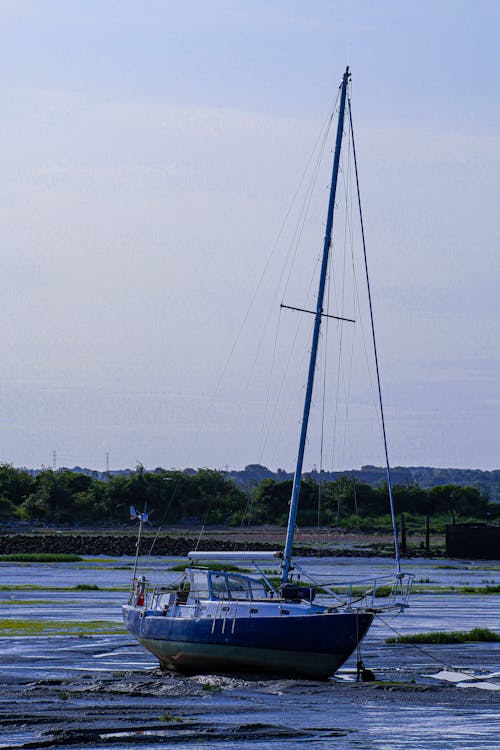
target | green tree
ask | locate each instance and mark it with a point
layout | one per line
(15, 484)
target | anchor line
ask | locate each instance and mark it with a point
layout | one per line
(423, 650)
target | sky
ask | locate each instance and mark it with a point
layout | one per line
(150, 152)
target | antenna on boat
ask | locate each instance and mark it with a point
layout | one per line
(317, 324)
(142, 518)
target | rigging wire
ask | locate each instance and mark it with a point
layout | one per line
(299, 228)
(269, 382)
(325, 127)
(388, 469)
(347, 379)
(165, 512)
(325, 339)
(323, 400)
(320, 139)
(299, 232)
(348, 240)
(343, 382)
(359, 317)
(331, 282)
(286, 370)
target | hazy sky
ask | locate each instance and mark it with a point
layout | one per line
(150, 151)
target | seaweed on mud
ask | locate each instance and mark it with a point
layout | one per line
(409, 687)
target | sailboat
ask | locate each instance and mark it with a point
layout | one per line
(229, 622)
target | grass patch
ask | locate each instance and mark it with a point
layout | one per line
(211, 687)
(476, 635)
(171, 718)
(13, 627)
(86, 587)
(44, 557)
(436, 589)
(383, 591)
(479, 590)
(26, 602)
(36, 587)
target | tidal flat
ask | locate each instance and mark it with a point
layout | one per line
(70, 675)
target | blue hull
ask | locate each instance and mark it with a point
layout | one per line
(311, 647)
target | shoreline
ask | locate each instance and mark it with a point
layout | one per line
(178, 542)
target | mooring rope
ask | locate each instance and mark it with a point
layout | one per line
(424, 651)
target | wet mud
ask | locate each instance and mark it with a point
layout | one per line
(97, 688)
(152, 708)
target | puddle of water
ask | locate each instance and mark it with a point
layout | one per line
(480, 685)
(468, 679)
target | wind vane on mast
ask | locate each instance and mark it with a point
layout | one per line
(141, 517)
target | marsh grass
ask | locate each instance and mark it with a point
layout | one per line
(36, 587)
(27, 602)
(169, 718)
(383, 591)
(437, 589)
(13, 627)
(43, 557)
(479, 589)
(86, 587)
(476, 635)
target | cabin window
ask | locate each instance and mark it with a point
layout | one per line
(238, 587)
(199, 584)
(219, 585)
(229, 586)
(257, 589)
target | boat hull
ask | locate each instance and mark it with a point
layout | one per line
(310, 647)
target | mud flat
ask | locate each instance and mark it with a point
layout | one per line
(71, 677)
(148, 708)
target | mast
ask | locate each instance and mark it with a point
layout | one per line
(315, 340)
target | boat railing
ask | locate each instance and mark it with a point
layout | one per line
(380, 593)
(138, 592)
(167, 597)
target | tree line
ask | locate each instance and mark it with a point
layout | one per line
(211, 497)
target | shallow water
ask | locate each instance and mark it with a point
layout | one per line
(103, 690)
